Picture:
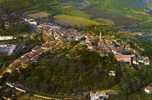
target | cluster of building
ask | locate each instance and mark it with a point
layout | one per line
(129, 55)
(29, 57)
(107, 94)
(56, 32)
(102, 95)
(121, 52)
(51, 31)
(99, 96)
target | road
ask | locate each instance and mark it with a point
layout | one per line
(38, 96)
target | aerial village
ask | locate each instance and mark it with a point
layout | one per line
(52, 33)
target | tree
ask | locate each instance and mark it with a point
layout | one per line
(14, 5)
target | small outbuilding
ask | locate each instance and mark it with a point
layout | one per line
(148, 89)
(7, 49)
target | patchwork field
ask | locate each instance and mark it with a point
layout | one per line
(68, 20)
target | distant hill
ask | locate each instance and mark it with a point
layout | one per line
(149, 4)
(130, 14)
(136, 4)
(77, 3)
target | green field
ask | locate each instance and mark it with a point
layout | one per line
(68, 20)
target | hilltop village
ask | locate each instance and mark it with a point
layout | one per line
(100, 44)
(54, 35)
(75, 50)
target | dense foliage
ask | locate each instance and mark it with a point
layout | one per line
(75, 71)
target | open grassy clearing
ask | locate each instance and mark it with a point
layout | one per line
(68, 20)
(69, 10)
(38, 14)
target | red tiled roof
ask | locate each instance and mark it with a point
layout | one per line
(123, 58)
